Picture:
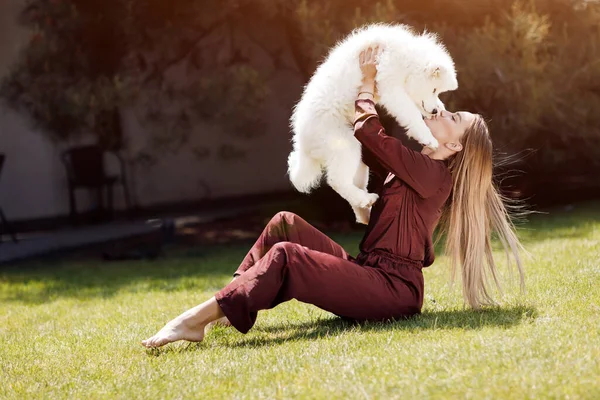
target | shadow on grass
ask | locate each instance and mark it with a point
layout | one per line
(432, 320)
(199, 268)
(441, 319)
(495, 317)
(41, 281)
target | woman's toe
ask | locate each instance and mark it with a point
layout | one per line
(150, 342)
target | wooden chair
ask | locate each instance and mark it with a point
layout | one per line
(85, 169)
(4, 224)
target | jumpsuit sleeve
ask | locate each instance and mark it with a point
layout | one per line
(423, 174)
(371, 161)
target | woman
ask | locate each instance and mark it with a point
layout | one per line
(292, 259)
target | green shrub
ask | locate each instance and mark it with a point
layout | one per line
(532, 68)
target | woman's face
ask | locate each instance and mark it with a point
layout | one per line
(448, 127)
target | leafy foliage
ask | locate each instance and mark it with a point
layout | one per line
(529, 66)
(86, 60)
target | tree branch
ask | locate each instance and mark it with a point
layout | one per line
(185, 53)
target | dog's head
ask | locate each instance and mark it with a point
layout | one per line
(425, 86)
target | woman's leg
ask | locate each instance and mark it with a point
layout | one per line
(289, 227)
(286, 227)
(293, 259)
(292, 271)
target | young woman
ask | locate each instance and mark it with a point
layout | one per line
(293, 260)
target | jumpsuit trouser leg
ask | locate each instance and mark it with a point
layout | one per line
(293, 260)
(289, 227)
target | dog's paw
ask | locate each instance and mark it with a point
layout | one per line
(367, 200)
(362, 215)
(431, 143)
(422, 134)
(362, 221)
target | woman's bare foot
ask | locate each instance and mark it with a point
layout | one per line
(188, 326)
(177, 329)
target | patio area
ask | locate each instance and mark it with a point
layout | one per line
(44, 243)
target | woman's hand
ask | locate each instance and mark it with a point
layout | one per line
(368, 67)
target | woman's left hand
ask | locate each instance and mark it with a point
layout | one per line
(368, 67)
(368, 63)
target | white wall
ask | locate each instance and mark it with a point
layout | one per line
(33, 183)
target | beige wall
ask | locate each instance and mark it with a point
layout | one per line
(33, 183)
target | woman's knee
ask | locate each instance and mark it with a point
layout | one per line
(279, 257)
(290, 249)
(283, 217)
(287, 253)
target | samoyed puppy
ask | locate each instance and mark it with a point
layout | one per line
(412, 70)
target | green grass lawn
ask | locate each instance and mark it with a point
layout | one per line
(72, 329)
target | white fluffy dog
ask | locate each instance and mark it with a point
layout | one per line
(411, 71)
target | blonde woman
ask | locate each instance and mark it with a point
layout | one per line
(293, 260)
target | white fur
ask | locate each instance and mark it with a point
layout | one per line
(409, 68)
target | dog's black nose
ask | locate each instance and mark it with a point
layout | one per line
(434, 111)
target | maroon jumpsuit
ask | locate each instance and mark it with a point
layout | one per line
(293, 260)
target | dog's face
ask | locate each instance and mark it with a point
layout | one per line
(425, 86)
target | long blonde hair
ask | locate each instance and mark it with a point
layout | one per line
(474, 211)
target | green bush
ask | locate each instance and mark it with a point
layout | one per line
(532, 68)
(533, 72)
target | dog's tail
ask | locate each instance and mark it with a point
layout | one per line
(305, 173)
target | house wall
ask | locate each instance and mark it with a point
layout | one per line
(33, 183)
